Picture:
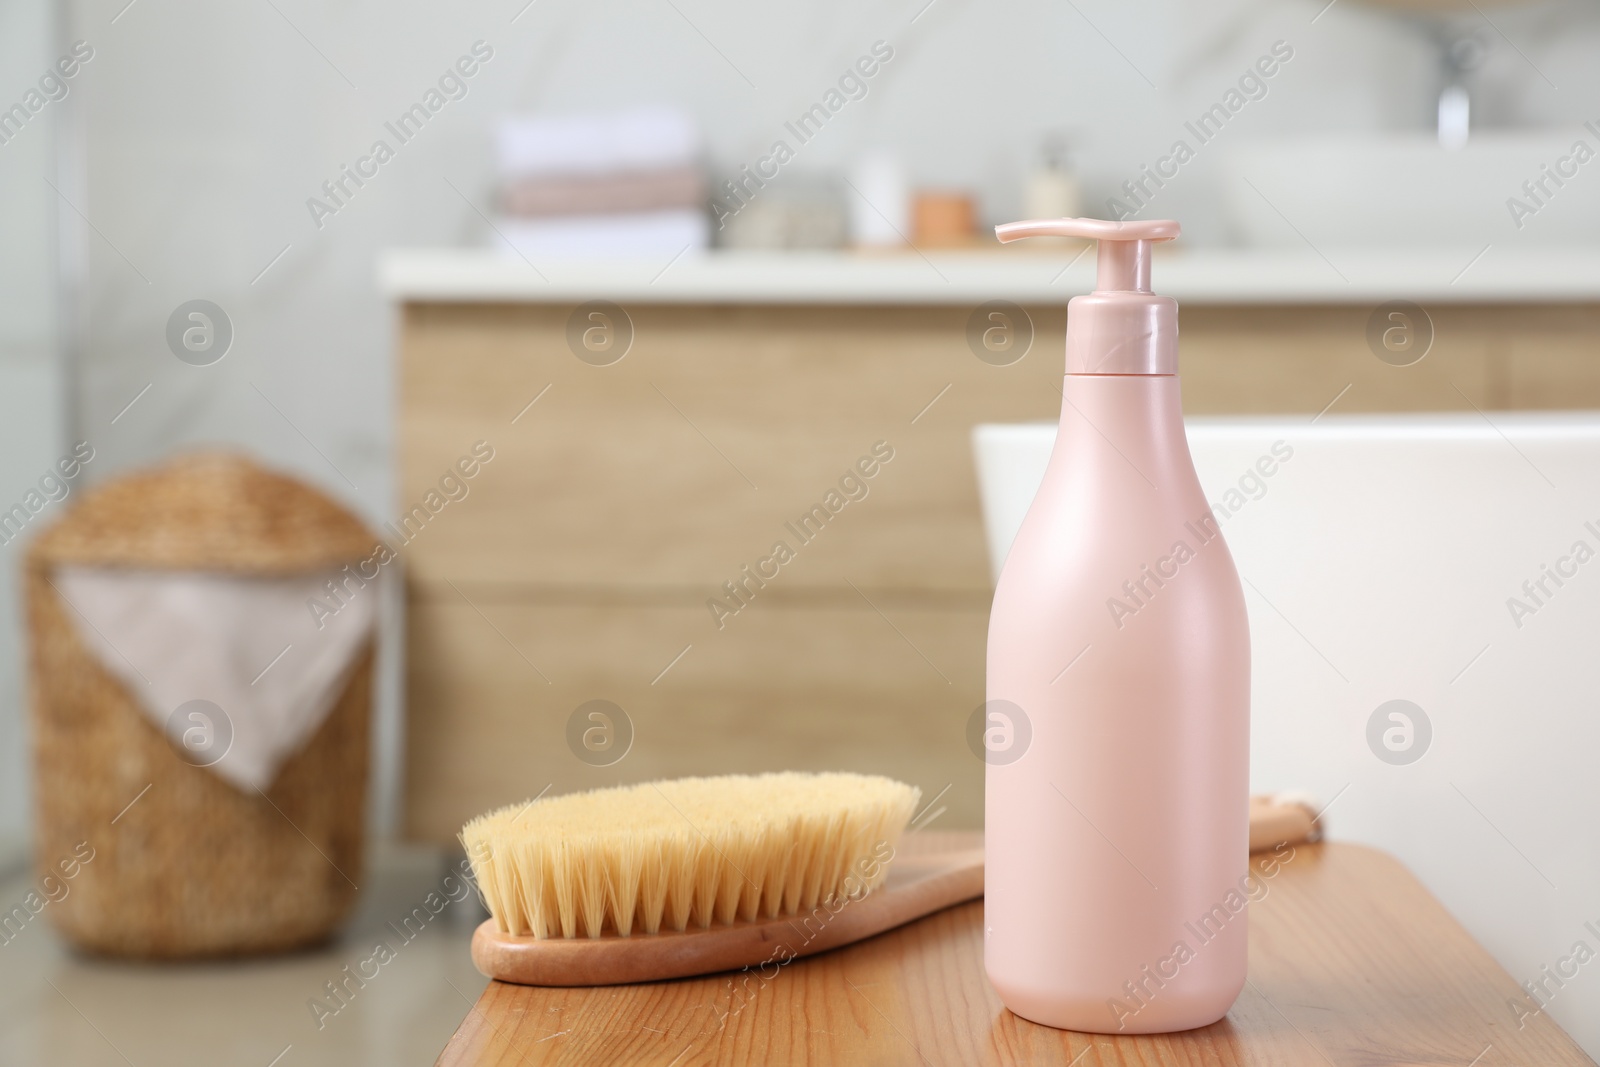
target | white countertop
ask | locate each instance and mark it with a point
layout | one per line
(1500, 274)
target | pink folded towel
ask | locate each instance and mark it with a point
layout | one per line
(618, 192)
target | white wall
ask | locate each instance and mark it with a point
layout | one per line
(31, 401)
(209, 126)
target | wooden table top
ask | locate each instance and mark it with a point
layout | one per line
(1352, 964)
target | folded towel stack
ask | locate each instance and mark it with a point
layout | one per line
(625, 184)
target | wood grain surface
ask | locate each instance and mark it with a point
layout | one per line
(1352, 964)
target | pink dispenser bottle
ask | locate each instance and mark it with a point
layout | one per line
(1117, 841)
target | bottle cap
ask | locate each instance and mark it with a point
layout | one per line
(1121, 327)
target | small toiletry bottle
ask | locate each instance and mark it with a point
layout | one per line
(1119, 673)
(1052, 189)
(880, 209)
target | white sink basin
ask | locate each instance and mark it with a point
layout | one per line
(1378, 191)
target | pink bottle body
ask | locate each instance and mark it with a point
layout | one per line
(1117, 828)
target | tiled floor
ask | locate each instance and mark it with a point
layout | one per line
(60, 1008)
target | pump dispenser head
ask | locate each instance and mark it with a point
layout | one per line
(1121, 327)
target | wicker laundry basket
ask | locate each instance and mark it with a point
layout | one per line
(196, 867)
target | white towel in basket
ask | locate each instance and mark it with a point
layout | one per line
(235, 670)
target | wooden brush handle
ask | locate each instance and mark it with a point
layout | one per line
(931, 872)
(1282, 820)
(917, 885)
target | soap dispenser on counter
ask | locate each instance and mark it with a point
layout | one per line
(1116, 846)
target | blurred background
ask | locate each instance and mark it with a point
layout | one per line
(661, 273)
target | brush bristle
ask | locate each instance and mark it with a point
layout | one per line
(665, 855)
